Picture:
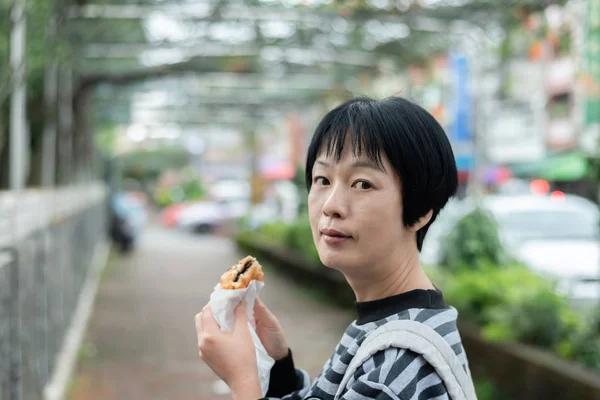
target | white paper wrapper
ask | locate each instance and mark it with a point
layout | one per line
(223, 303)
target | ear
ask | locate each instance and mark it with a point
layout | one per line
(421, 222)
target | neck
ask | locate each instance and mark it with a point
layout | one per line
(391, 278)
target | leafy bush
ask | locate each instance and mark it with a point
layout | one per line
(275, 232)
(296, 236)
(475, 292)
(583, 343)
(485, 389)
(299, 237)
(473, 243)
(539, 318)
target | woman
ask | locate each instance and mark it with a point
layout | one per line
(378, 173)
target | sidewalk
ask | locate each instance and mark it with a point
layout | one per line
(141, 340)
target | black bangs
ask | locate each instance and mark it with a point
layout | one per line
(360, 128)
(353, 118)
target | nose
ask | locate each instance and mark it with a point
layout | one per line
(335, 205)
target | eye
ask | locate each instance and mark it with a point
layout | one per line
(319, 180)
(363, 185)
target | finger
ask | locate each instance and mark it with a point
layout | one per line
(199, 328)
(258, 305)
(209, 323)
(198, 320)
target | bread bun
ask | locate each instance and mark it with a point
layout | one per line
(240, 275)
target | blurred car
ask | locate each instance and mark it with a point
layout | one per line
(555, 236)
(514, 186)
(169, 217)
(201, 216)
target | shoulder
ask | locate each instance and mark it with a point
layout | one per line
(406, 371)
(402, 372)
(442, 320)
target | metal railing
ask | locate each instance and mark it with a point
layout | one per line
(47, 242)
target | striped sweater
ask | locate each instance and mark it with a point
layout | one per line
(392, 374)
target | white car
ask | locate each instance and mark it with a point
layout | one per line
(557, 237)
(201, 216)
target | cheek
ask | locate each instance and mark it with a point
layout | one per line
(381, 220)
(314, 210)
(315, 203)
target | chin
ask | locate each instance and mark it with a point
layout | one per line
(339, 262)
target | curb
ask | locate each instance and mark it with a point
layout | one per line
(56, 388)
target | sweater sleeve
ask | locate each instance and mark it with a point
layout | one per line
(395, 374)
(287, 382)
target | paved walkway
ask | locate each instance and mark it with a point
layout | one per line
(141, 342)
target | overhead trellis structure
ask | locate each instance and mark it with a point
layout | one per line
(277, 36)
(306, 51)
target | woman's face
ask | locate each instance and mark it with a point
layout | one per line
(355, 210)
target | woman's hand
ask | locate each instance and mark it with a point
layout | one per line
(231, 355)
(269, 331)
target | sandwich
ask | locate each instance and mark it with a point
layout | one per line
(240, 275)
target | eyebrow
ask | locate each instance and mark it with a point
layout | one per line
(358, 164)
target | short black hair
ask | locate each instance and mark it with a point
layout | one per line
(413, 141)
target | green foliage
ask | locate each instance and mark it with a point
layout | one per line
(106, 139)
(193, 189)
(299, 237)
(189, 190)
(538, 318)
(485, 389)
(149, 164)
(473, 243)
(274, 232)
(296, 236)
(476, 293)
(582, 344)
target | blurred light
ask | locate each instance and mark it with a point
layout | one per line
(160, 27)
(277, 29)
(137, 133)
(558, 195)
(232, 32)
(340, 25)
(195, 145)
(539, 187)
(403, 5)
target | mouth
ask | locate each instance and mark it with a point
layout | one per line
(333, 236)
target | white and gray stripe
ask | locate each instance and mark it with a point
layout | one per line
(392, 374)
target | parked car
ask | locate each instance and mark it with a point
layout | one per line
(555, 236)
(201, 216)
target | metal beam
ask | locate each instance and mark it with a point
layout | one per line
(135, 50)
(190, 83)
(199, 12)
(240, 99)
(239, 122)
(289, 54)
